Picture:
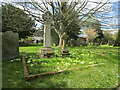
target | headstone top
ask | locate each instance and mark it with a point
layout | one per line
(47, 17)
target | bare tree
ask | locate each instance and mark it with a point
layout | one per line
(91, 34)
(62, 13)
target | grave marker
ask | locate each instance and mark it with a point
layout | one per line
(47, 51)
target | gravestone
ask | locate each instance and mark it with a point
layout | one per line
(47, 51)
(10, 45)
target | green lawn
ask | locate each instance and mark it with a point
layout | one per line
(101, 76)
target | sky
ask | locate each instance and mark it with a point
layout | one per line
(109, 22)
(112, 23)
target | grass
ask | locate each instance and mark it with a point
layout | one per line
(102, 76)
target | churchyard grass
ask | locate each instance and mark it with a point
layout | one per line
(101, 76)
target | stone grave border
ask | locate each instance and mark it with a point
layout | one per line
(29, 77)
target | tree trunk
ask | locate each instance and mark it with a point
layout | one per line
(61, 35)
(60, 41)
(64, 44)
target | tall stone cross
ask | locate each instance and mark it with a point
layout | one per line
(47, 30)
(47, 51)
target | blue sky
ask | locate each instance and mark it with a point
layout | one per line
(113, 20)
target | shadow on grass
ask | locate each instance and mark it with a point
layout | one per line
(15, 68)
(50, 81)
(102, 48)
(37, 55)
(33, 44)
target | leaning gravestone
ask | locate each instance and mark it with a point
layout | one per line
(10, 45)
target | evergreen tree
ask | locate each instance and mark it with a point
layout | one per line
(117, 41)
(16, 20)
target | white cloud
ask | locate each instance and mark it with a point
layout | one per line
(10, 1)
(19, 6)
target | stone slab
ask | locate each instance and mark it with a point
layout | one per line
(46, 52)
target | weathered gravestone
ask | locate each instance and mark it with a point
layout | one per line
(79, 42)
(10, 45)
(47, 51)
